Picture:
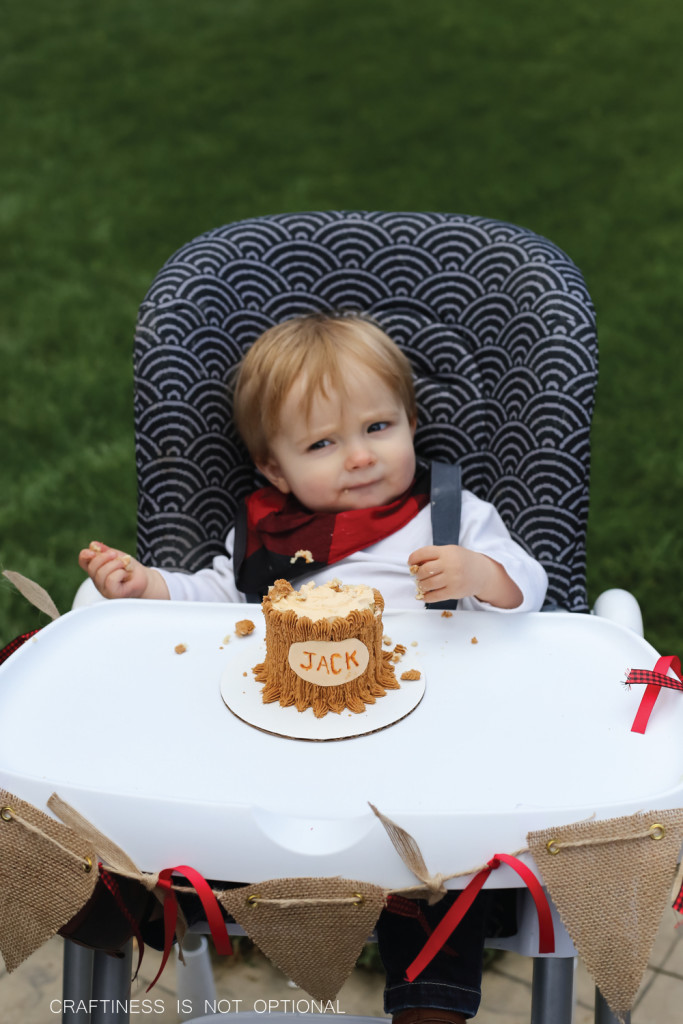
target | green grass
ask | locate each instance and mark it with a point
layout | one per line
(129, 127)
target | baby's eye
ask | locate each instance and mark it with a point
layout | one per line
(380, 425)
(318, 444)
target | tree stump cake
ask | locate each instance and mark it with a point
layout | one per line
(324, 648)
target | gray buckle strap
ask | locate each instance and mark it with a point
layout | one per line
(446, 503)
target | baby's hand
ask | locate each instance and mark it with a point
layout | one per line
(448, 572)
(116, 574)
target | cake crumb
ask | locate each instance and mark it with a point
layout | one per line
(387, 641)
(225, 640)
(306, 555)
(180, 648)
(397, 654)
(445, 614)
(280, 589)
(474, 640)
(244, 627)
(336, 585)
(413, 643)
(414, 569)
(411, 674)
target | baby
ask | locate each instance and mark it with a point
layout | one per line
(326, 407)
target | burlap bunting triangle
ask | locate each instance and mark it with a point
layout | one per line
(113, 856)
(313, 929)
(611, 882)
(33, 592)
(47, 873)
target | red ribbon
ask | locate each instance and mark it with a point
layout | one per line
(654, 681)
(411, 908)
(450, 920)
(219, 932)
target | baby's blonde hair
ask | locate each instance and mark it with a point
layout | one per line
(313, 348)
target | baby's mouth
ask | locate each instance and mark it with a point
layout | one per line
(361, 487)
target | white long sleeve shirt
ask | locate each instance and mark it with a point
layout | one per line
(384, 565)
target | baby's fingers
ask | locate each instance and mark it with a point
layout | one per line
(435, 590)
(86, 555)
(426, 570)
(106, 562)
(421, 556)
(112, 577)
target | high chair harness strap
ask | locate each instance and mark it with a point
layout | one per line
(446, 504)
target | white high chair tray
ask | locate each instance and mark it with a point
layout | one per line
(527, 728)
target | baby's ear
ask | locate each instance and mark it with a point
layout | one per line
(272, 472)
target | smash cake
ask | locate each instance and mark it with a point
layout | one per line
(324, 648)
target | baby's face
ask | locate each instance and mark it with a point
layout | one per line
(354, 451)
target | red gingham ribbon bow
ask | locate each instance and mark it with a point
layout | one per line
(654, 681)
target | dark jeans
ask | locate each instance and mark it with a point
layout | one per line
(452, 981)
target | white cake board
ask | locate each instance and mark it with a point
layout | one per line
(242, 694)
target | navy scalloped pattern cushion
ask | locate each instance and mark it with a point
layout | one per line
(495, 319)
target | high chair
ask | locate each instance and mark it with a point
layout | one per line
(500, 329)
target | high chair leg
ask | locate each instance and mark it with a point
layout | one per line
(603, 1014)
(111, 987)
(552, 990)
(194, 979)
(76, 979)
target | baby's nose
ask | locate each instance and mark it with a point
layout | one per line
(359, 456)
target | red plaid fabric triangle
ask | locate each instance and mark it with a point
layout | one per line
(15, 644)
